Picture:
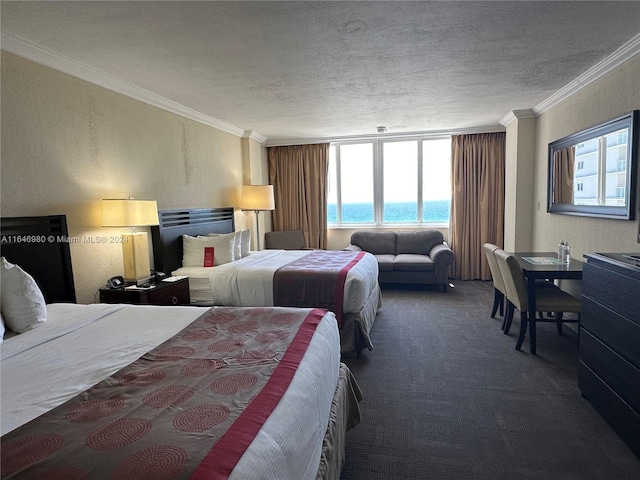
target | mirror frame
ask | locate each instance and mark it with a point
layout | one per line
(626, 212)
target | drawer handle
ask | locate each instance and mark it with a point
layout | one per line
(174, 300)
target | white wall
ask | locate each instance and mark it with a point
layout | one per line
(67, 144)
(613, 95)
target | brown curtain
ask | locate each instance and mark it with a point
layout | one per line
(563, 166)
(477, 205)
(298, 174)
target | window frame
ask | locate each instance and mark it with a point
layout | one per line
(378, 183)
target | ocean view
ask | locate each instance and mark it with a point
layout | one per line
(399, 212)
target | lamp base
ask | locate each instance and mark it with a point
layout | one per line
(135, 255)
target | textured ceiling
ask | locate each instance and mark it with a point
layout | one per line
(290, 70)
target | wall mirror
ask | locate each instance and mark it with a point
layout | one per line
(593, 172)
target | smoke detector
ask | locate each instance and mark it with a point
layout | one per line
(381, 129)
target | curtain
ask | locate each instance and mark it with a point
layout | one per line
(299, 174)
(563, 165)
(477, 204)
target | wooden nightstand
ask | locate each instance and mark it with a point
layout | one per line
(164, 293)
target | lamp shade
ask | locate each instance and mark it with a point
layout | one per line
(257, 197)
(129, 213)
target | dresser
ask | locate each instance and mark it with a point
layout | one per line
(609, 353)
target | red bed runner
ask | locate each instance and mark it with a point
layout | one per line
(187, 409)
(315, 280)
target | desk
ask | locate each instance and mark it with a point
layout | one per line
(553, 271)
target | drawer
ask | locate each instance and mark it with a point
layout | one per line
(612, 329)
(613, 290)
(622, 418)
(175, 294)
(622, 377)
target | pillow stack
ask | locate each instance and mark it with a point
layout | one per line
(22, 304)
(241, 243)
(214, 249)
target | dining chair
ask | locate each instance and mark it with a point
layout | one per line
(499, 290)
(551, 299)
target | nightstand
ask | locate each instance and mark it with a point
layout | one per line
(164, 293)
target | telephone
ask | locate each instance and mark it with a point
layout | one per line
(115, 282)
(158, 276)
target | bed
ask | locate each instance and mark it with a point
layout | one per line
(125, 391)
(270, 277)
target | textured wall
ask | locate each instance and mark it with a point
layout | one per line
(613, 95)
(67, 144)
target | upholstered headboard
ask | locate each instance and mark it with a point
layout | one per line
(167, 236)
(40, 246)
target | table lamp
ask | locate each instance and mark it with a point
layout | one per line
(257, 198)
(135, 245)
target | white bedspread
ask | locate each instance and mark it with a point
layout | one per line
(79, 345)
(249, 282)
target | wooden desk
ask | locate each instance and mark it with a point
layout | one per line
(553, 271)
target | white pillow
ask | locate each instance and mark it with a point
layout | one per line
(22, 303)
(245, 242)
(207, 251)
(237, 252)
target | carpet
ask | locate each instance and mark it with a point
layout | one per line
(447, 396)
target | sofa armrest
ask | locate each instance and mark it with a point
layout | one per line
(441, 256)
(353, 248)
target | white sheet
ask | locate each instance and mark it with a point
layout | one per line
(44, 367)
(249, 282)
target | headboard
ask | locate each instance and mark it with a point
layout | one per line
(167, 236)
(40, 246)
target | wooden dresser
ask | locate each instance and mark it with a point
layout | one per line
(609, 354)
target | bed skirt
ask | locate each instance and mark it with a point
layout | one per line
(344, 415)
(355, 329)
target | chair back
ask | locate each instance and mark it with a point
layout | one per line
(513, 278)
(285, 240)
(498, 282)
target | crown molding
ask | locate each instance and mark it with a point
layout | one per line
(49, 58)
(514, 115)
(253, 135)
(626, 52)
(393, 136)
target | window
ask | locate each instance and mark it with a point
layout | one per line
(390, 182)
(400, 169)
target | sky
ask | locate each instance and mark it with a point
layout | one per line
(400, 171)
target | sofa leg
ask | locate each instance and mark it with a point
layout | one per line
(444, 288)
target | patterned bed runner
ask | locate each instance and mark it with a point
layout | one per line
(187, 409)
(315, 280)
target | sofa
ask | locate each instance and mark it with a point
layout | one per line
(418, 257)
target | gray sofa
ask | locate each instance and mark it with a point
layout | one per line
(407, 257)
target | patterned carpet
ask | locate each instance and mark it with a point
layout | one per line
(446, 396)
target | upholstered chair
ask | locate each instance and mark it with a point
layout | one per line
(285, 240)
(499, 290)
(547, 300)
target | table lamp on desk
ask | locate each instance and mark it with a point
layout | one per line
(135, 245)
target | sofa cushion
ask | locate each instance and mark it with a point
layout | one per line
(385, 262)
(420, 242)
(409, 262)
(378, 243)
